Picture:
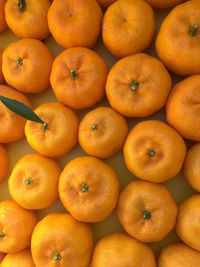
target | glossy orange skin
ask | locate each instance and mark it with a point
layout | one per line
(192, 167)
(9, 119)
(125, 31)
(61, 135)
(75, 23)
(154, 85)
(119, 250)
(21, 259)
(187, 226)
(3, 24)
(33, 75)
(182, 109)
(164, 140)
(108, 138)
(177, 49)
(179, 255)
(1, 73)
(73, 240)
(17, 224)
(141, 196)
(89, 87)
(106, 3)
(4, 163)
(2, 255)
(30, 23)
(163, 4)
(44, 174)
(99, 201)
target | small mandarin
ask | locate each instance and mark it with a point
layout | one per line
(4, 163)
(3, 24)
(20, 259)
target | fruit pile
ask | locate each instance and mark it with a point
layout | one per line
(106, 111)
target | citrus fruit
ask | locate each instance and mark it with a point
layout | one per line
(33, 183)
(177, 43)
(3, 24)
(75, 23)
(88, 189)
(102, 132)
(78, 77)
(4, 163)
(13, 124)
(182, 109)
(16, 227)
(20, 259)
(28, 18)
(120, 250)
(147, 211)
(59, 133)
(138, 85)
(1, 73)
(27, 65)
(125, 31)
(59, 240)
(154, 151)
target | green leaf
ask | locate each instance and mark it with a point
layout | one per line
(20, 109)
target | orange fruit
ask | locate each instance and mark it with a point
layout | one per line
(163, 4)
(28, 18)
(1, 73)
(154, 151)
(179, 255)
(75, 74)
(138, 85)
(187, 226)
(192, 167)
(16, 227)
(60, 240)
(102, 132)
(105, 3)
(120, 250)
(3, 24)
(33, 183)
(20, 259)
(147, 211)
(58, 135)
(27, 65)
(125, 31)
(75, 23)
(4, 163)
(2, 255)
(177, 43)
(182, 109)
(88, 189)
(13, 124)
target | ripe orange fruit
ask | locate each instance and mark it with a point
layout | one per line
(20, 259)
(125, 31)
(163, 4)
(60, 240)
(27, 65)
(147, 211)
(177, 43)
(75, 23)
(33, 183)
(75, 74)
(28, 18)
(3, 24)
(1, 73)
(16, 226)
(105, 3)
(182, 111)
(58, 135)
(13, 124)
(88, 189)
(154, 151)
(179, 255)
(120, 250)
(102, 132)
(4, 163)
(138, 85)
(2, 255)
(187, 226)
(192, 167)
